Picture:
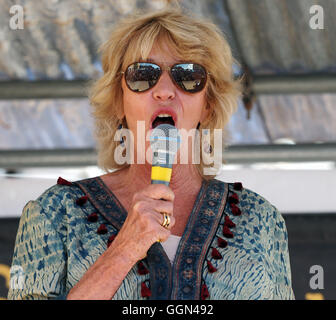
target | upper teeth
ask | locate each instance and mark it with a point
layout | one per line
(164, 115)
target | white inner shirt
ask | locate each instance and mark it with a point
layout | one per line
(170, 246)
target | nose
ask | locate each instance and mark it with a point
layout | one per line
(165, 89)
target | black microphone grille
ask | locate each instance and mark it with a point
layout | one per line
(165, 136)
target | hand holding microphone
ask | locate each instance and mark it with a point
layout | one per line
(150, 217)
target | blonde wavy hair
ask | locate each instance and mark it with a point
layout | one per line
(192, 39)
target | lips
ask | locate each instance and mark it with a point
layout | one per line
(163, 115)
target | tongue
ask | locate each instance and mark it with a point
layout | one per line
(159, 121)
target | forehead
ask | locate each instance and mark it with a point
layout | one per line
(160, 50)
(163, 53)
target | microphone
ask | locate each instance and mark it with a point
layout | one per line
(165, 140)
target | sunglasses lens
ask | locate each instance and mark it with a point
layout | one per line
(191, 77)
(142, 76)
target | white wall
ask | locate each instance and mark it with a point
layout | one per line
(302, 191)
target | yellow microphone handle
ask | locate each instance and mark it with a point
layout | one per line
(161, 175)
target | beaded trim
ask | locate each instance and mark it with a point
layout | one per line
(227, 232)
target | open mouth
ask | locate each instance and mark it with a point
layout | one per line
(163, 119)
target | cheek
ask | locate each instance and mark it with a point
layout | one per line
(134, 109)
(195, 108)
(129, 102)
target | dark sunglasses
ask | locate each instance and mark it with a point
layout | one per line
(142, 76)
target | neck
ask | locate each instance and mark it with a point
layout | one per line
(185, 178)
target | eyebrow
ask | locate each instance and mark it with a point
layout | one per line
(153, 61)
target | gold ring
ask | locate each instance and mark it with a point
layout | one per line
(166, 220)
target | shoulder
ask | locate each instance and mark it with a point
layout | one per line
(257, 204)
(255, 210)
(57, 198)
(55, 204)
(263, 210)
(254, 203)
(246, 198)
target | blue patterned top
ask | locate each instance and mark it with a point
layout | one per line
(234, 247)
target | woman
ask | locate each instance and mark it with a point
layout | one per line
(120, 237)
